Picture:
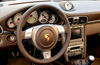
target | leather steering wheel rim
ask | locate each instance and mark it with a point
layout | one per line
(20, 34)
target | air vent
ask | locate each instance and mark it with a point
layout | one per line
(83, 20)
(70, 20)
(78, 20)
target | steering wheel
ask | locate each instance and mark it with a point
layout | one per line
(44, 36)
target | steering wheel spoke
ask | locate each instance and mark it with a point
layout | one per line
(60, 29)
(46, 54)
(28, 33)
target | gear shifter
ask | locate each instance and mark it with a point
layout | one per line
(88, 61)
(91, 59)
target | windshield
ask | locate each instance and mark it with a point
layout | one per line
(48, 0)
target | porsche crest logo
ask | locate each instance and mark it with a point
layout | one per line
(47, 37)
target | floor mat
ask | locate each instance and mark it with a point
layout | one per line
(18, 61)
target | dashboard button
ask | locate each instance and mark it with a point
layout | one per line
(11, 38)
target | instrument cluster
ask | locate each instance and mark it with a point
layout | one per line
(36, 17)
(8, 28)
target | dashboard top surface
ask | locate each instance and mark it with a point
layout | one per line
(79, 7)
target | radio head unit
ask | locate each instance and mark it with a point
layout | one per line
(77, 48)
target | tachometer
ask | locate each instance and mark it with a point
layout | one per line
(53, 19)
(33, 18)
(43, 17)
(17, 18)
(10, 23)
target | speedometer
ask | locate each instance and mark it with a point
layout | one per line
(10, 23)
(53, 19)
(17, 18)
(33, 18)
(44, 16)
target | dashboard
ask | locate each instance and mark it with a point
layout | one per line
(84, 21)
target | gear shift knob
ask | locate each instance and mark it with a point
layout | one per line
(91, 59)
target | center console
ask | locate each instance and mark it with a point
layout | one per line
(77, 46)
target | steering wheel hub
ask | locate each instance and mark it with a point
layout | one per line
(46, 38)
